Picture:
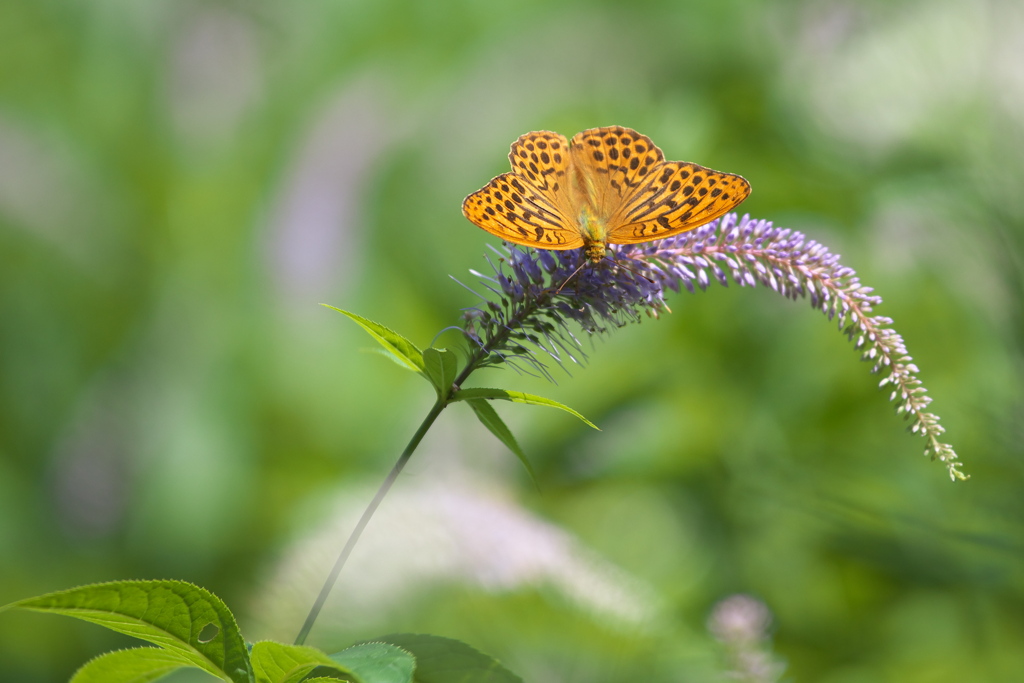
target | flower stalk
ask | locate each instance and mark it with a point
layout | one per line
(536, 305)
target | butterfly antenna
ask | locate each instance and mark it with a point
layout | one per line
(576, 272)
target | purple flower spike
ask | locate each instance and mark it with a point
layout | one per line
(548, 290)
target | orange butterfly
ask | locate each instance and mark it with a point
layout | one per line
(607, 186)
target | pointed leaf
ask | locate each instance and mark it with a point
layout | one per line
(441, 367)
(180, 617)
(517, 397)
(490, 419)
(384, 353)
(279, 663)
(443, 660)
(404, 350)
(378, 662)
(137, 665)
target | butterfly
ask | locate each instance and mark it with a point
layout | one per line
(606, 186)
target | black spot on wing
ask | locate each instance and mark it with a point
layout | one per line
(524, 214)
(622, 154)
(675, 199)
(539, 157)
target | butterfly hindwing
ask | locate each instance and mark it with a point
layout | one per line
(678, 196)
(513, 209)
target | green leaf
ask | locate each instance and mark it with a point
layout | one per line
(181, 618)
(378, 662)
(443, 660)
(490, 419)
(404, 351)
(137, 665)
(440, 366)
(517, 397)
(384, 353)
(278, 663)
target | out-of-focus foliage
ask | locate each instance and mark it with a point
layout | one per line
(181, 184)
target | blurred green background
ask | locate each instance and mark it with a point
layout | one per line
(181, 183)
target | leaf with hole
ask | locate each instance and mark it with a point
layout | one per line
(183, 619)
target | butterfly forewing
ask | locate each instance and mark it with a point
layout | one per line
(618, 160)
(622, 154)
(513, 209)
(678, 196)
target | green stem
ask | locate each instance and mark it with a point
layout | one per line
(365, 519)
(497, 340)
(314, 612)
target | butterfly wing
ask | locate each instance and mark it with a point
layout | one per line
(529, 205)
(616, 161)
(542, 158)
(677, 196)
(513, 209)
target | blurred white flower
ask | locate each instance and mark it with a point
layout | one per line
(430, 534)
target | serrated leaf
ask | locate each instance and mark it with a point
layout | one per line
(444, 660)
(440, 367)
(137, 665)
(517, 397)
(279, 663)
(404, 350)
(378, 662)
(179, 617)
(490, 419)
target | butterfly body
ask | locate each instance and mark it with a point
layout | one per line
(607, 186)
(594, 231)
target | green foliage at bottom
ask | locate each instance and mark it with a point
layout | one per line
(194, 628)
